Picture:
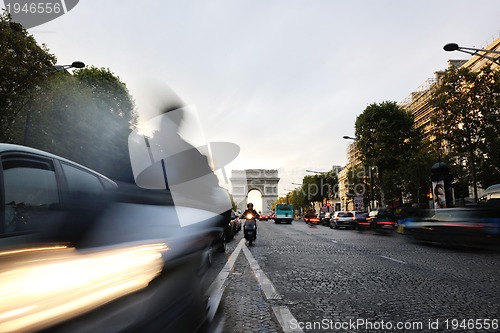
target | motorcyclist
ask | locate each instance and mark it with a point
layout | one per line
(254, 213)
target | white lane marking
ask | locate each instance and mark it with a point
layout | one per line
(282, 313)
(334, 241)
(396, 260)
(217, 287)
(285, 318)
(266, 284)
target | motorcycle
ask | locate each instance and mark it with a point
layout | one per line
(250, 229)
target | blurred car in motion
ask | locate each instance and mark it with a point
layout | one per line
(80, 252)
(406, 214)
(310, 214)
(38, 188)
(462, 226)
(382, 220)
(343, 219)
(361, 220)
(315, 220)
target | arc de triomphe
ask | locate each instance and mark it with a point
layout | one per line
(262, 180)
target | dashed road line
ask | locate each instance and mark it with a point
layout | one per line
(266, 284)
(282, 313)
(396, 260)
(285, 318)
(216, 289)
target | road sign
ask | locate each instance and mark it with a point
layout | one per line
(358, 204)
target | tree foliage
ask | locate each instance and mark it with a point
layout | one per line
(85, 117)
(314, 188)
(24, 65)
(467, 123)
(386, 139)
(416, 172)
(319, 187)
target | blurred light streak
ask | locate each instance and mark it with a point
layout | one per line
(39, 288)
(10, 252)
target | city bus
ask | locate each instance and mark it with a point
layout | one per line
(283, 213)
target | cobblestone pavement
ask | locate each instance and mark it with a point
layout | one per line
(330, 279)
(244, 306)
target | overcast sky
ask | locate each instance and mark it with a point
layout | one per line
(283, 79)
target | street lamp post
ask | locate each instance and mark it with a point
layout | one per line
(56, 68)
(450, 47)
(318, 172)
(74, 64)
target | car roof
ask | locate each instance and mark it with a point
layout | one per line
(13, 148)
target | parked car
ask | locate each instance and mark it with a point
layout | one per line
(235, 223)
(60, 221)
(325, 218)
(382, 220)
(344, 219)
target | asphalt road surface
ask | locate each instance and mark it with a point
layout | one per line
(297, 278)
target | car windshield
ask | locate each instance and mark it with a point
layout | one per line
(384, 214)
(345, 214)
(365, 134)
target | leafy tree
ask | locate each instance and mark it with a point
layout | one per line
(299, 199)
(416, 172)
(386, 139)
(319, 187)
(296, 197)
(85, 117)
(24, 65)
(467, 122)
